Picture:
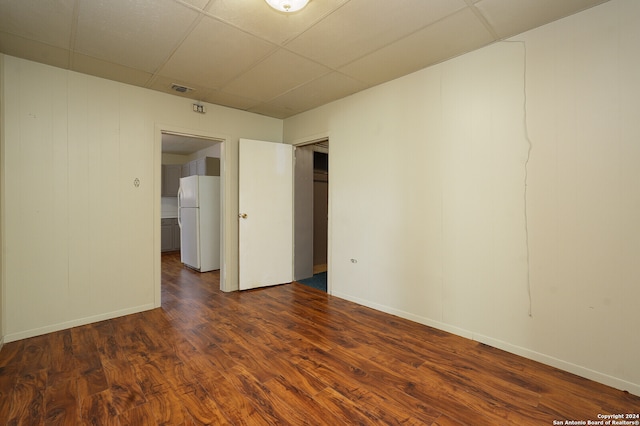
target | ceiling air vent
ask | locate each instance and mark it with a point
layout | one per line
(181, 89)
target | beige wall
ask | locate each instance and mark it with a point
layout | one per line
(452, 221)
(81, 240)
(174, 158)
(2, 299)
(496, 195)
(212, 151)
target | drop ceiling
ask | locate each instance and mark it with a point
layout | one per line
(244, 55)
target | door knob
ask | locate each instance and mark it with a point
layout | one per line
(242, 215)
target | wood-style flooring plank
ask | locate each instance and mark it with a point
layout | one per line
(98, 409)
(251, 389)
(91, 377)
(286, 355)
(60, 406)
(237, 407)
(297, 406)
(167, 409)
(124, 389)
(27, 402)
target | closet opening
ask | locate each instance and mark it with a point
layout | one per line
(312, 214)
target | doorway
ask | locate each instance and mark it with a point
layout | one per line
(312, 212)
(183, 153)
(320, 210)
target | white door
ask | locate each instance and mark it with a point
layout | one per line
(265, 213)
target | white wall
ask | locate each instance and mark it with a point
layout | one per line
(81, 241)
(496, 195)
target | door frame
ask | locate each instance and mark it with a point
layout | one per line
(308, 142)
(225, 205)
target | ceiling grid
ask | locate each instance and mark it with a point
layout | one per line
(242, 54)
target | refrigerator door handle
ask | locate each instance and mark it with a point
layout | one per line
(179, 207)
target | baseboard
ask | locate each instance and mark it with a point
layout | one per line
(12, 337)
(407, 315)
(578, 370)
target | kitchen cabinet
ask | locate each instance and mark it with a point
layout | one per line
(169, 235)
(208, 166)
(204, 166)
(171, 174)
(189, 169)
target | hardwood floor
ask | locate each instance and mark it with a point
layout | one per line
(282, 355)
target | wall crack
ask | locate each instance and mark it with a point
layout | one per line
(526, 178)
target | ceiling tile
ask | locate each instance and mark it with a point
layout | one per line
(272, 111)
(362, 26)
(33, 50)
(226, 99)
(256, 17)
(318, 92)
(163, 84)
(214, 53)
(49, 21)
(99, 68)
(200, 4)
(277, 74)
(511, 17)
(460, 32)
(140, 34)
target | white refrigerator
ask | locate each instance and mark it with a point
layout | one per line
(199, 220)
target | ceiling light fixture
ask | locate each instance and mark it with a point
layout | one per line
(287, 6)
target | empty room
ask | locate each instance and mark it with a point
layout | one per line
(480, 234)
